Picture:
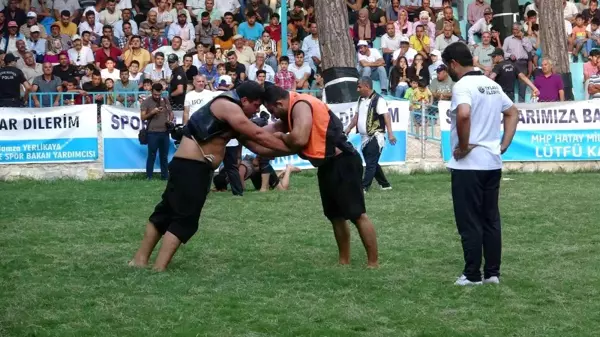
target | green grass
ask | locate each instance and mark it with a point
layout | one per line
(265, 264)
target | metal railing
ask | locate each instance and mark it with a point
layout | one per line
(423, 122)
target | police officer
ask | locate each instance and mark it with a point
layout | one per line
(178, 83)
(11, 78)
(505, 74)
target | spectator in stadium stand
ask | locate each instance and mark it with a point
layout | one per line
(550, 85)
(390, 42)
(593, 87)
(405, 50)
(441, 86)
(215, 14)
(371, 121)
(30, 68)
(184, 30)
(250, 30)
(480, 26)
(570, 11)
(481, 54)
(260, 65)
(96, 8)
(231, 6)
(225, 83)
(591, 12)
(67, 27)
(285, 78)
(36, 44)
(206, 31)
(107, 50)
(594, 35)
(517, 49)
(163, 12)
(110, 15)
(421, 42)
(578, 39)
(235, 80)
(419, 70)
(476, 11)
(80, 55)
(12, 79)
(377, 16)
(31, 22)
(590, 68)
(126, 86)
(269, 47)
(195, 8)
(90, 24)
(154, 40)
(426, 6)
(209, 69)
(110, 71)
(108, 32)
(428, 27)
(196, 98)
(157, 111)
(301, 71)
(274, 28)
(364, 29)
(173, 49)
(311, 48)
(446, 38)
(392, 11)
(9, 40)
(372, 65)
(227, 30)
(125, 17)
(64, 70)
(13, 13)
(263, 12)
(317, 86)
(261, 77)
(151, 22)
(221, 70)
(297, 10)
(448, 19)
(505, 73)
(403, 26)
(533, 6)
(45, 84)
(178, 9)
(235, 66)
(190, 69)
(20, 52)
(436, 61)
(178, 83)
(399, 77)
(411, 6)
(157, 70)
(295, 46)
(87, 42)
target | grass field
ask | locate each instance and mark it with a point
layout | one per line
(265, 264)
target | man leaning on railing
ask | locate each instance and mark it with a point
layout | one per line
(123, 90)
(43, 88)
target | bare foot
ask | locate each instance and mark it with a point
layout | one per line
(158, 270)
(372, 265)
(262, 190)
(137, 264)
(344, 262)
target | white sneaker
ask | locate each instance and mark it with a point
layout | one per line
(386, 188)
(463, 281)
(492, 280)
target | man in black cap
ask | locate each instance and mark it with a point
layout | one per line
(505, 74)
(12, 78)
(178, 83)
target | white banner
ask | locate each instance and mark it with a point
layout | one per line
(48, 135)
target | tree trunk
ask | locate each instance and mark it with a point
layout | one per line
(338, 53)
(553, 41)
(337, 48)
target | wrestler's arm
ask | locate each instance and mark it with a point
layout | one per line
(233, 115)
(302, 119)
(277, 127)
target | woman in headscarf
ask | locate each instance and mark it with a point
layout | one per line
(402, 25)
(364, 29)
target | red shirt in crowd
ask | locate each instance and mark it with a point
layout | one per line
(101, 56)
(285, 79)
(274, 32)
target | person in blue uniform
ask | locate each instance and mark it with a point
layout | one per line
(202, 149)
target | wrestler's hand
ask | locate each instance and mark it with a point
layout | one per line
(279, 135)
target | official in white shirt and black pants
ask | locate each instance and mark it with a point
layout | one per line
(478, 104)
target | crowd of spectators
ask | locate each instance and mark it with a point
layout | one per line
(125, 45)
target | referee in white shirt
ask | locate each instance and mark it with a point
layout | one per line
(478, 108)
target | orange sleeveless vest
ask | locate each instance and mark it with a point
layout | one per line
(326, 128)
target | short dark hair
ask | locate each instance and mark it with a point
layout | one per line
(157, 87)
(205, 15)
(134, 61)
(275, 93)
(110, 59)
(284, 59)
(96, 73)
(231, 53)
(147, 80)
(104, 38)
(579, 16)
(107, 27)
(531, 13)
(422, 83)
(299, 52)
(227, 14)
(126, 23)
(596, 21)
(295, 40)
(276, 15)
(250, 14)
(595, 52)
(250, 90)
(423, 27)
(261, 71)
(90, 13)
(459, 52)
(124, 70)
(90, 67)
(65, 13)
(298, 3)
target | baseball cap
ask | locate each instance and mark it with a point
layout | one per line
(436, 53)
(217, 46)
(75, 38)
(362, 43)
(10, 58)
(34, 29)
(497, 52)
(236, 37)
(181, 12)
(31, 15)
(173, 58)
(225, 80)
(441, 67)
(12, 24)
(404, 39)
(488, 11)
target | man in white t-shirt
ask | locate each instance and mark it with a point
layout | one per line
(79, 54)
(301, 70)
(390, 42)
(371, 64)
(405, 50)
(478, 104)
(197, 98)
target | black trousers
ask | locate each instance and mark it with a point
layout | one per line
(230, 162)
(371, 153)
(522, 66)
(475, 199)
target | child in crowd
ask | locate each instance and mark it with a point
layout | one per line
(146, 89)
(578, 39)
(134, 73)
(89, 70)
(234, 79)
(110, 71)
(78, 97)
(420, 98)
(285, 78)
(110, 85)
(414, 84)
(220, 72)
(318, 86)
(594, 35)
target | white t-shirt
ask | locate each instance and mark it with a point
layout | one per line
(363, 112)
(374, 55)
(107, 18)
(270, 73)
(195, 100)
(156, 75)
(299, 72)
(115, 75)
(487, 102)
(570, 10)
(392, 43)
(410, 55)
(82, 57)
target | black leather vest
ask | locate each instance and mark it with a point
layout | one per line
(203, 125)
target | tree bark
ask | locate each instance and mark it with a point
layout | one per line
(337, 48)
(553, 35)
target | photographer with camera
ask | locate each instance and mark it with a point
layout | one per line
(156, 110)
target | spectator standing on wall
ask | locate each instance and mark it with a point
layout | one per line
(550, 85)
(371, 64)
(372, 118)
(157, 111)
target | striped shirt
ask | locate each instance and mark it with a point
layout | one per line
(594, 80)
